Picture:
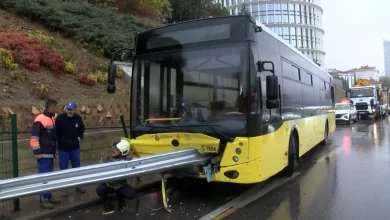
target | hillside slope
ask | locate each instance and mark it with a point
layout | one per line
(31, 86)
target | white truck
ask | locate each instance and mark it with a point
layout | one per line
(368, 99)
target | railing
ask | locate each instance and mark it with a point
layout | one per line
(9, 153)
(99, 173)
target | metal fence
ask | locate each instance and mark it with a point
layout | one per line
(8, 155)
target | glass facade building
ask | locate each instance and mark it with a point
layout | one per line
(386, 50)
(299, 22)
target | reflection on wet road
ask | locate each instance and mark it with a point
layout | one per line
(347, 179)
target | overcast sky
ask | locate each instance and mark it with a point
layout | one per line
(354, 32)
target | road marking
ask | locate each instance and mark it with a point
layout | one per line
(249, 196)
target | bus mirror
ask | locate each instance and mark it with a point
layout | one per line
(263, 66)
(272, 87)
(111, 78)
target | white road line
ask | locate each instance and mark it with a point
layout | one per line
(249, 196)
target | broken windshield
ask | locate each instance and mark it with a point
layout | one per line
(204, 86)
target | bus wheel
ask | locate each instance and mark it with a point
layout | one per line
(326, 132)
(292, 156)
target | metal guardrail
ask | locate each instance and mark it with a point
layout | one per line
(99, 173)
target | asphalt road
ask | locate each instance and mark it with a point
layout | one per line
(349, 178)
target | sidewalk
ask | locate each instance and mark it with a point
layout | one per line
(30, 205)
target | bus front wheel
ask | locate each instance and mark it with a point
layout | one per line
(292, 155)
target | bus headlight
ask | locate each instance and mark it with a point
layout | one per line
(235, 159)
(238, 151)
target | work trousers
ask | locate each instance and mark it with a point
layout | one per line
(124, 192)
(65, 156)
(45, 165)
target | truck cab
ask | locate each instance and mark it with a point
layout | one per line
(346, 112)
(368, 99)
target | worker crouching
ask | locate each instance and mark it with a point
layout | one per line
(121, 188)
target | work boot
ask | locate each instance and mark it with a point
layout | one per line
(109, 208)
(121, 204)
(80, 190)
(45, 204)
(54, 201)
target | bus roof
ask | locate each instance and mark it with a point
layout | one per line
(258, 23)
(277, 37)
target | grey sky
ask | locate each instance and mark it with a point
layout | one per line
(354, 32)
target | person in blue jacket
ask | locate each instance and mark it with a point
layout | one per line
(70, 131)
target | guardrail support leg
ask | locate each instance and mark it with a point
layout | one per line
(164, 194)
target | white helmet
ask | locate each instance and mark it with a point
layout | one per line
(123, 146)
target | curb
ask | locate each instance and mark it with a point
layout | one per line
(80, 205)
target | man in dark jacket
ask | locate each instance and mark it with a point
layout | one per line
(120, 150)
(70, 131)
(43, 145)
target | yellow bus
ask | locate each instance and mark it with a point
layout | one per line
(228, 87)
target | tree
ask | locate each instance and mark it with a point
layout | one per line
(216, 10)
(162, 7)
(183, 10)
(244, 10)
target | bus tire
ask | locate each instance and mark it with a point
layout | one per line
(292, 155)
(326, 133)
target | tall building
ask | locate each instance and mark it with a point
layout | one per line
(299, 22)
(386, 50)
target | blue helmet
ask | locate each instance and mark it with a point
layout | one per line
(71, 105)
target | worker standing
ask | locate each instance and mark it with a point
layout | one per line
(43, 145)
(70, 131)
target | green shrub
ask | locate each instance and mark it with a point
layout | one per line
(70, 67)
(100, 76)
(6, 60)
(103, 31)
(42, 37)
(119, 72)
(18, 75)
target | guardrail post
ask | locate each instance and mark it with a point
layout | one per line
(15, 157)
(124, 126)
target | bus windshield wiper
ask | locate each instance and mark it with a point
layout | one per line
(152, 127)
(227, 138)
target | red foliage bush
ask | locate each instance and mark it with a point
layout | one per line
(30, 52)
(84, 79)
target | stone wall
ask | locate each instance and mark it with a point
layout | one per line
(107, 116)
(94, 146)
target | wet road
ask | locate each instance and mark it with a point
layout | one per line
(347, 179)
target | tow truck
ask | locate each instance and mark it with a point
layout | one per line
(346, 112)
(368, 99)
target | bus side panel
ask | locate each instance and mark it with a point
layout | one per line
(272, 148)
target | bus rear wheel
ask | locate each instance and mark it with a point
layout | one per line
(292, 156)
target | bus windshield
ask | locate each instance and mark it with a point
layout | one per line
(196, 90)
(364, 92)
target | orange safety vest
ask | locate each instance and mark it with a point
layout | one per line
(43, 137)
